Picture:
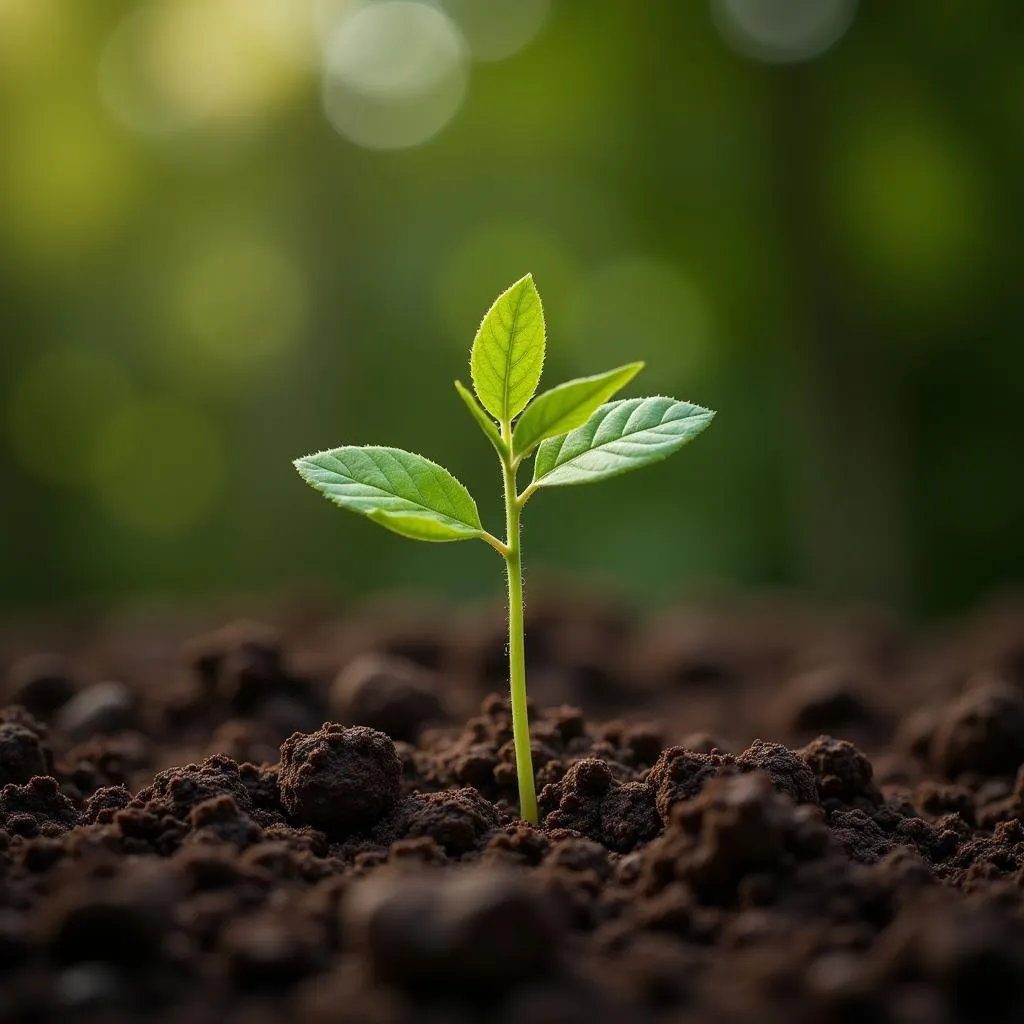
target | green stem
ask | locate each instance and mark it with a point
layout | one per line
(516, 649)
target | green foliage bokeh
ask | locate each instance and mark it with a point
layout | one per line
(825, 250)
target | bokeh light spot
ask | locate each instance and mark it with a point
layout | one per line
(158, 465)
(496, 29)
(394, 74)
(57, 409)
(62, 184)
(174, 66)
(645, 306)
(237, 306)
(783, 31)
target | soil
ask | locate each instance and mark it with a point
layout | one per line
(751, 811)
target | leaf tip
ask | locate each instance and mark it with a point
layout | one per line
(525, 282)
(630, 370)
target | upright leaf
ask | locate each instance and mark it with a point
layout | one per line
(508, 351)
(486, 424)
(568, 406)
(403, 492)
(620, 436)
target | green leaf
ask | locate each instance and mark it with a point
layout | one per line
(403, 492)
(620, 436)
(486, 424)
(568, 406)
(508, 351)
(417, 526)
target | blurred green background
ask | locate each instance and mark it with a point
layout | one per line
(234, 231)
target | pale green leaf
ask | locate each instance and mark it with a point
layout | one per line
(401, 491)
(620, 436)
(568, 406)
(418, 526)
(486, 424)
(508, 351)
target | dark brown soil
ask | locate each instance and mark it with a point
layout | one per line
(751, 812)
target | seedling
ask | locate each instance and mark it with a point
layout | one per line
(574, 433)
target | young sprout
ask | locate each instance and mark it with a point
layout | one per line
(574, 433)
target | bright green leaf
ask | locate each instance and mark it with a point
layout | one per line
(486, 424)
(568, 406)
(620, 436)
(508, 351)
(403, 492)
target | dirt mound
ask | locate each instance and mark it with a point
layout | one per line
(203, 842)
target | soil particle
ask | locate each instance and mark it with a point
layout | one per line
(916, 733)
(580, 855)
(643, 743)
(149, 830)
(457, 820)
(474, 766)
(268, 951)
(991, 806)
(36, 808)
(240, 664)
(179, 790)
(393, 695)
(100, 708)
(737, 833)
(656, 973)
(120, 760)
(22, 755)
(935, 799)
(860, 835)
(517, 845)
(338, 779)
(787, 772)
(972, 953)
(828, 697)
(15, 714)
(104, 802)
(121, 922)
(680, 774)
(842, 773)
(478, 932)
(220, 820)
(590, 801)
(982, 731)
(42, 683)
